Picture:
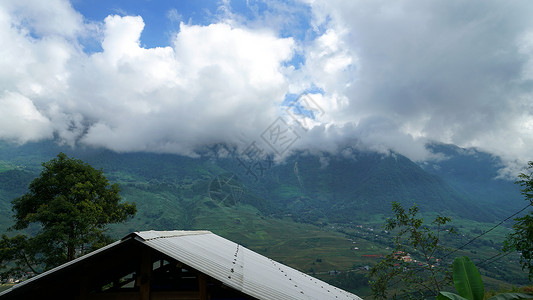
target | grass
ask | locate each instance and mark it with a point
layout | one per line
(6, 166)
(305, 247)
(509, 289)
(298, 245)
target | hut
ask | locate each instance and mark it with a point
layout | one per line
(174, 265)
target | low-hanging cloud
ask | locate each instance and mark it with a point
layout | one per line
(445, 71)
(212, 85)
(390, 76)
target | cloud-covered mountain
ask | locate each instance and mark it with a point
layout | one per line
(312, 188)
(386, 76)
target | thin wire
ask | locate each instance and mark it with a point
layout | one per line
(494, 227)
(487, 259)
(485, 263)
(475, 238)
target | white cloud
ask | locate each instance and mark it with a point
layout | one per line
(174, 16)
(216, 84)
(44, 18)
(20, 121)
(447, 71)
(121, 39)
(391, 76)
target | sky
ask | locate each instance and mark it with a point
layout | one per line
(313, 75)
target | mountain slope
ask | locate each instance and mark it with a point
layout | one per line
(308, 187)
(475, 174)
(363, 184)
(326, 195)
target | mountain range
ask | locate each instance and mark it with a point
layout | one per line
(311, 188)
(280, 209)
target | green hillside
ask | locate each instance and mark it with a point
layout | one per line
(312, 216)
(475, 174)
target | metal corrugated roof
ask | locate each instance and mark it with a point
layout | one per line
(63, 266)
(239, 267)
(231, 263)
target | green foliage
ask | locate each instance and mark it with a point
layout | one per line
(350, 281)
(171, 192)
(419, 278)
(71, 203)
(15, 181)
(467, 279)
(509, 290)
(522, 238)
(469, 284)
(449, 295)
(10, 250)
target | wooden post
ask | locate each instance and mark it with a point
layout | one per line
(84, 287)
(202, 284)
(146, 273)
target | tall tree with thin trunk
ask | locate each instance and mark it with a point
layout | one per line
(68, 207)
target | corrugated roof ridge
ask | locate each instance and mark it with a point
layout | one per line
(234, 262)
(155, 234)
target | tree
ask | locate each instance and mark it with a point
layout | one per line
(521, 239)
(68, 207)
(421, 274)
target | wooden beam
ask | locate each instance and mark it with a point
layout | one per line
(184, 295)
(115, 296)
(84, 287)
(145, 274)
(202, 284)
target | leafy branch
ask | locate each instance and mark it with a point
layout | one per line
(422, 277)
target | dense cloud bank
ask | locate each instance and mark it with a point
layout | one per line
(383, 75)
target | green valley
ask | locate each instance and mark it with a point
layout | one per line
(323, 219)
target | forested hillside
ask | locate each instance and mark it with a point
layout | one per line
(307, 211)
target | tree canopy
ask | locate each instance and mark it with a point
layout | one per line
(68, 207)
(522, 238)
